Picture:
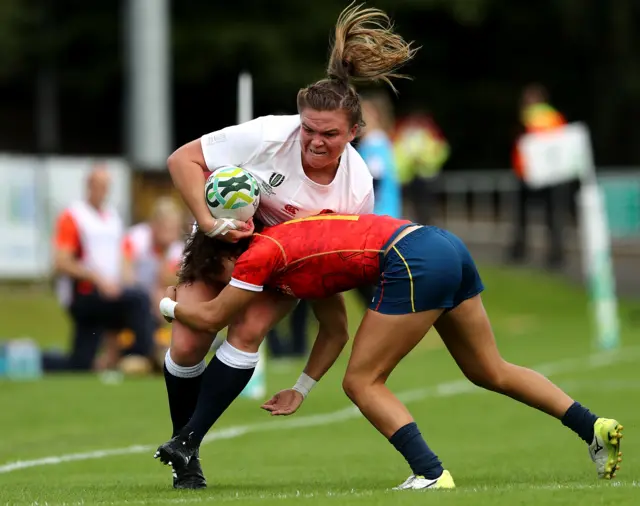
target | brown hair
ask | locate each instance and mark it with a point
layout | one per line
(203, 256)
(365, 48)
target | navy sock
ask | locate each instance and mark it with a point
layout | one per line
(580, 420)
(409, 442)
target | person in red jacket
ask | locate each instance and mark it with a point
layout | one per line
(425, 277)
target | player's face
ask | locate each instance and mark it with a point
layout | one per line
(324, 136)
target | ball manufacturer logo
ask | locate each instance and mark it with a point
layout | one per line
(276, 179)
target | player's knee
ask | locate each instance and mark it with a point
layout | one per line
(188, 348)
(355, 386)
(180, 368)
(247, 335)
(350, 387)
(490, 376)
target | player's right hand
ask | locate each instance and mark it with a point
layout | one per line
(286, 402)
(243, 231)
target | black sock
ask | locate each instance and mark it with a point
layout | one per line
(221, 384)
(580, 420)
(410, 443)
(183, 397)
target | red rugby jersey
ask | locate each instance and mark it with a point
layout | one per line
(315, 257)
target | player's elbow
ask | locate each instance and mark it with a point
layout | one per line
(186, 157)
(174, 161)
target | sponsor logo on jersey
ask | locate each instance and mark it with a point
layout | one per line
(212, 139)
(290, 209)
(276, 179)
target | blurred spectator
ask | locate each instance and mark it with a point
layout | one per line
(88, 264)
(537, 115)
(152, 254)
(421, 151)
(153, 250)
(376, 149)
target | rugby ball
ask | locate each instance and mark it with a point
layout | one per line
(232, 192)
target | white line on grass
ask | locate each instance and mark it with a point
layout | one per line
(447, 389)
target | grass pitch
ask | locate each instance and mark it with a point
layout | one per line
(76, 440)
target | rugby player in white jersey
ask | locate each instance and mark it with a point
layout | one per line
(304, 164)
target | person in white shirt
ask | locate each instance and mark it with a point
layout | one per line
(153, 251)
(304, 164)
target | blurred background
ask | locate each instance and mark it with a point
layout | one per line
(95, 95)
(118, 85)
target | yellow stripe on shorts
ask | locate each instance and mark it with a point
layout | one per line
(413, 306)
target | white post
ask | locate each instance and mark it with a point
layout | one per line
(149, 83)
(597, 263)
(245, 98)
(257, 386)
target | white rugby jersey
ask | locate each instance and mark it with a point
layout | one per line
(269, 148)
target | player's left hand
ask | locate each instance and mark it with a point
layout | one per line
(171, 293)
(285, 402)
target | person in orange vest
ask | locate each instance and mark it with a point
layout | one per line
(537, 115)
(87, 265)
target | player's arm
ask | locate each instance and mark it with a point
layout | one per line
(333, 334)
(211, 316)
(251, 272)
(186, 166)
(230, 146)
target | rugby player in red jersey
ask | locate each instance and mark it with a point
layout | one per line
(425, 277)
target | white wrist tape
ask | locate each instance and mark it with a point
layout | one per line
(168, 307)
(223, 225)
(304, 384)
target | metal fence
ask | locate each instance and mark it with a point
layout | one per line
(479, 207)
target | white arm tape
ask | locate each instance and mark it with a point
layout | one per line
(168, 307)
(223, 225)
(304, 384)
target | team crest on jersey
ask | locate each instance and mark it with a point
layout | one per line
(276, 179)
